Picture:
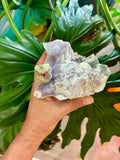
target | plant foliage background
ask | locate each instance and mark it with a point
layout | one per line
(87, 35)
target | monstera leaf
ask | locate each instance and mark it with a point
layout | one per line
(17, 61)
(78, 26)
(101, 114)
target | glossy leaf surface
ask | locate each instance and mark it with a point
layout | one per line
(17, 61)
(112, 58)
(40, 10)
(101, 114)
(77, 25)
(116, 13)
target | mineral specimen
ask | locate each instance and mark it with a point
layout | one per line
(66, 76)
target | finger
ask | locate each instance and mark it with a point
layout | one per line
(40, 61)
(52, 99)
(42, 58)
(75, 54)
(70, 105)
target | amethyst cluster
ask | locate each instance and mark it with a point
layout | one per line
(68, 76)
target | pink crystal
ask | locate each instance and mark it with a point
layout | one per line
(43, 74)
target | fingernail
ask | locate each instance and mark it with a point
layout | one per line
(89, 100)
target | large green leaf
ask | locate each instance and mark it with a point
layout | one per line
(76, 24)
(8, 134)
(101, 114)
(17, 61)
(10, 126)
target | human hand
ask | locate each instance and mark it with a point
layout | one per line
(42, 117)
(47, 112)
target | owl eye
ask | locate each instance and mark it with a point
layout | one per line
(43, 74)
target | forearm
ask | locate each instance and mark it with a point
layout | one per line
(25, 144)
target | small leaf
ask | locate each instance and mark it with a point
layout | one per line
(40, 10)
(118, 21)
(17, 2)
(116, 13)
(72, 3)
(112, 58)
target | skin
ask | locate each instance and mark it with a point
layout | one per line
(42, 117)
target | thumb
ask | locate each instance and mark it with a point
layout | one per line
(71, 105)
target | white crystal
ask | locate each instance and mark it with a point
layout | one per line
(66, 76)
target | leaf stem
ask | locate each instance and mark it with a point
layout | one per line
(47, 35)
(10, 19)
(11, 5)
(108, 23)
(50, 29)
(25, 12)
(97, 8)
(50, 1)
(110, 17)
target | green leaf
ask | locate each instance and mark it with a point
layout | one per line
(40, 10)
(78, 26)
(112, 58)
(17, 2)
(74, 22)
(101, 114)
(116, 13)
(118, 21)
(17, 61)
(10, 126)
(118, 1)
(8, 134)
(114, 76)
(94, 46)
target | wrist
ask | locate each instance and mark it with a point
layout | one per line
(25, 144)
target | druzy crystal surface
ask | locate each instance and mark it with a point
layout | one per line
(66, 75)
